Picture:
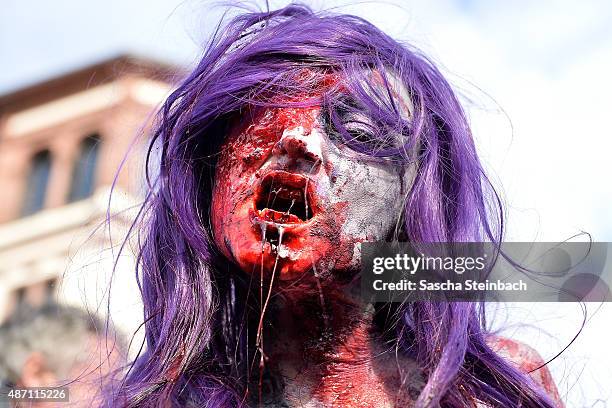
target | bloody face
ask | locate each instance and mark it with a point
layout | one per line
(288, 197)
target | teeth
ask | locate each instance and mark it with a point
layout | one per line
(283, 252)
(279, 217)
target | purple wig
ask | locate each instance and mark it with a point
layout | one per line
(197, 303)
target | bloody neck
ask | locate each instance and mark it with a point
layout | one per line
(323, 344)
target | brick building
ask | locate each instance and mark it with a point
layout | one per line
(61, 143)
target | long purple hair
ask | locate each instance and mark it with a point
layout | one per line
(196, 302)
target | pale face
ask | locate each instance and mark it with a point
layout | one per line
(287, 194)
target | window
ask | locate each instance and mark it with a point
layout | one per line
(36, 189)
(50, 286)
(20, 296)
(84, 173)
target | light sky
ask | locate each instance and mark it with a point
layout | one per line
(535, 77)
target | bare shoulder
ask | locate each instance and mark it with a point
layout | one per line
(527, 360)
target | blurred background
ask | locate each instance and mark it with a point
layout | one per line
(79, 81)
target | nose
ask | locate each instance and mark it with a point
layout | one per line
(297, 143)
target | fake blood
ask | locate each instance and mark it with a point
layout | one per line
(247, 148)
(280, 210)
(528, 361)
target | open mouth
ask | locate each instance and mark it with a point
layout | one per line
(284, 198)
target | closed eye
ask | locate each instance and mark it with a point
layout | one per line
(357, 130)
